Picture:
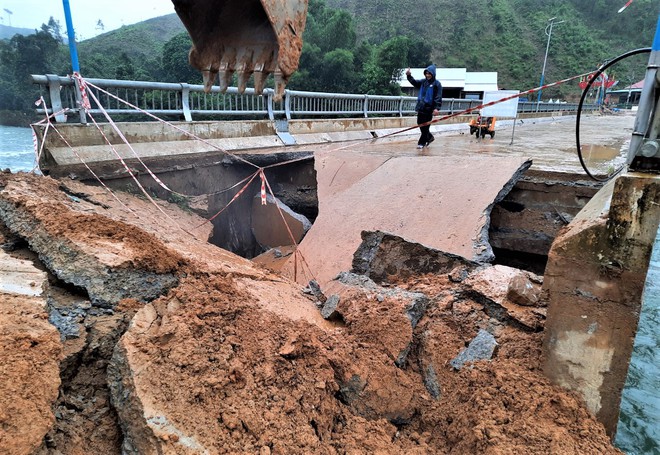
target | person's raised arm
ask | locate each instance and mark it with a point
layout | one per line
(415, 83)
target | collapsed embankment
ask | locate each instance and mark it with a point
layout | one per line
(168, 344)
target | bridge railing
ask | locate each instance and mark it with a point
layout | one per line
(187, 100)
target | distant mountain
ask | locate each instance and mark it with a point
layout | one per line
(7, 32)
(141, 42)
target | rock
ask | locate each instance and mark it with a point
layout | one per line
(431, 381)
(491, 286)
(523, 291)
(315, 290)
(481, 347)
(329, 310)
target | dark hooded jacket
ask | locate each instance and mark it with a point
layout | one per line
(430, 92)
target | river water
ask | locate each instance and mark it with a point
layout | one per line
(16, 148)
(639, 424)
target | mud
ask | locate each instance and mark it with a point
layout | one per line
(236, 359)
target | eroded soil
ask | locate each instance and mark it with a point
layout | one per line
(208, 368)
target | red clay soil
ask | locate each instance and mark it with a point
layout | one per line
(241, 380)
(30, 352)
(230, 376)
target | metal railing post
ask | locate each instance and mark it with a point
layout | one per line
(55, 100)
(287, 104)
(185, 101)
(269, 104)
(365, 108)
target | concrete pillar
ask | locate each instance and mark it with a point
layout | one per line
(593, 284)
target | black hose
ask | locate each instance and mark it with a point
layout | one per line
(584, 95)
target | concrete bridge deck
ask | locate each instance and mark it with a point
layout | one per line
(548, 141)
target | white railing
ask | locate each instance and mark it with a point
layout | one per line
(188, 101)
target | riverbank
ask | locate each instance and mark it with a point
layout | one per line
(17, 118)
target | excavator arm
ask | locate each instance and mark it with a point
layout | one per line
(247, 37)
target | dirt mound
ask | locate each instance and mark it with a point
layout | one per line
(204, 369)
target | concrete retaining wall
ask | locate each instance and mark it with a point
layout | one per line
(593, 284)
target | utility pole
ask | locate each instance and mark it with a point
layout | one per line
(75, 66)
(547, 47)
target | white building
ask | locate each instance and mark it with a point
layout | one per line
(456, 82)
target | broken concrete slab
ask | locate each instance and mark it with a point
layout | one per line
(20, 276)
(273, 227)
(382, 255)
(109, 259)
(440, 216)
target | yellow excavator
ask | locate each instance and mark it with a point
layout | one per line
(246, 37)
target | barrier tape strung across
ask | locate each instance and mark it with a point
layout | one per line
(91, 171)
(87, 106)
(187, 133)
(252, 177)
(263, 187)
(38, 150)
(446, 117)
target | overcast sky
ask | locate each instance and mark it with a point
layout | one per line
(85, 13)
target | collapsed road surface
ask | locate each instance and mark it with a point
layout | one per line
(132, 334)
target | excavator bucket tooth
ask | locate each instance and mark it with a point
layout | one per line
(259, 82)
(244, 36)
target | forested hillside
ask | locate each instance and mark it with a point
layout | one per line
(508, 36)
(361, 45)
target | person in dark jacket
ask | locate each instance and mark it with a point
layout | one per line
(429, 101)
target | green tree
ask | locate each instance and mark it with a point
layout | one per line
(54, 29)
(22, 56)
(327, 62)
(175, 61)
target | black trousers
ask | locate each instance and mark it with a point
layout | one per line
(425, 133)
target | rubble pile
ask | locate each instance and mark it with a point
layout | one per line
(216, 355)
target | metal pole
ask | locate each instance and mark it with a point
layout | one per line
(545, 59)
(75, 66)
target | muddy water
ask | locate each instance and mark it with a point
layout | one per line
(604, 159)
(639, 422)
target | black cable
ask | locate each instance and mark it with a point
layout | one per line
(595, 76)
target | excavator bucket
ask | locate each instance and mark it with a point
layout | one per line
(246, 37)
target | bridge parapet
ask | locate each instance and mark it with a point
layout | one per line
(188, 102)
